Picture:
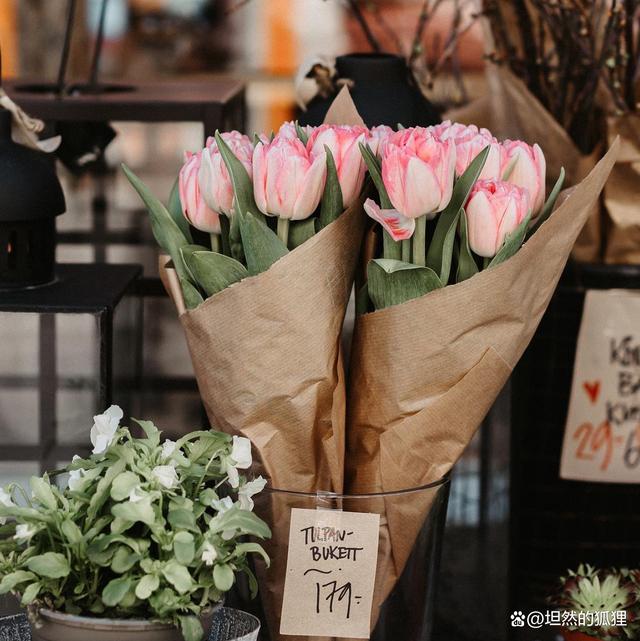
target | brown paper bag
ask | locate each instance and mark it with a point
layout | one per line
(267, 357)
(511, 111)
(622, 193)
(424, 374)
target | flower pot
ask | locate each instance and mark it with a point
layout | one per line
(574, 635)
(57, 626)
(383, 89)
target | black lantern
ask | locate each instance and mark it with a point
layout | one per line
(30, 199)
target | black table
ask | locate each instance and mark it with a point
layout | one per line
(94, 289)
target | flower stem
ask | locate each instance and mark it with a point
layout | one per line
(216, 245)
(390, 248)
(419, 241)
(406, 250)
(283, 230)
(485, 262)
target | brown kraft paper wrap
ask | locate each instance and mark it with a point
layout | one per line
(511, 111)
(622, 193)
(424, 374)
(267, 358)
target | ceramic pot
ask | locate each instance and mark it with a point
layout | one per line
(383, 89)
(57, 626)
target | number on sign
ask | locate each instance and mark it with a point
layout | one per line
(592, 440)
(632, 451)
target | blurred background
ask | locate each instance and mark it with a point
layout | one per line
(260, 43)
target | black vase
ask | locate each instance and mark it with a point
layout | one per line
(383, 89)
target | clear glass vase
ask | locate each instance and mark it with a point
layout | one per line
(410, 535)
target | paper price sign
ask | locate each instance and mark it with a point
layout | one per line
(602, 433)
(331, 570)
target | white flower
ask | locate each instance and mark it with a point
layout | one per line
(240, 459)
(168, 448)
(165, 475)
(209, 554)
(248, 490)
(136, 495)
(24, 532)
(75, 479)
(5, 500)
(222, 505)
(104, 428)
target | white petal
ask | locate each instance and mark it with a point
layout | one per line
(399, 227)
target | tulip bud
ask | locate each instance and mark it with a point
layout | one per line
(288, 179)
(194, 207)
(343, 142)
(525, 167)
(494, 209)
(418, 171)
(213, 177)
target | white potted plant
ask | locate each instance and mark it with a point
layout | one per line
(144, 541)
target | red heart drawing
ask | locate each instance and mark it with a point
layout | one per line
(592, 390)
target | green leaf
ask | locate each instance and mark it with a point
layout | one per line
(30, 594)
(192, 297)
(191, 628)
(467, 266)
(50, 564)
(124, 559)
(187, 252)
(103, 489)
(184, 547)
(150, 431)
(512, 243)
(241, 521)
(182, 520)
(11, 581)
(262, 247)
(375, 171)
(302, 134)
(116, 590)
(362, 300)
(548, 206)
(178, 576)
(242, 185)
(251, 548)
(332, 202)
(42, 492)
(214, 272)
(300, 231)
(142, 511)
(223, 577)
(72, 532)
(441, 247)
(235, 240)
(392, 282)
(25, 513)
(147, 585)
(123, 485)
(174, 207)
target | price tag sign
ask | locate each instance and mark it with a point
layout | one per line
(602, 433)
(331, 570)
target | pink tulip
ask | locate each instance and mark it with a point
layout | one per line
(288, 179)
(494, 209)
(194, 207)
(470, 141)
(289, 132)
(379, 137)
(399, 227)
(215, 183)
(343, 141)
(418, 171)
(527, 168)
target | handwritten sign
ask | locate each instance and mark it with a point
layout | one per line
(331, 569)
(602, 433)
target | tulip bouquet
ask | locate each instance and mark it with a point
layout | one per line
(458, 274)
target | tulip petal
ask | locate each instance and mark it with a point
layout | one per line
(313, 185)
(260, 177)
(399, 227)
(423, 191)
(481, 225)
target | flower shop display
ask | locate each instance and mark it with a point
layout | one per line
(452, 285)
(143, 542)
(609, 598)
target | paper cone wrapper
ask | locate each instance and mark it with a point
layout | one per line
(424, 374)
(511, 111)
(622, 193)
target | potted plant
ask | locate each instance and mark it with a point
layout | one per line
(599, 605)
(142, 543)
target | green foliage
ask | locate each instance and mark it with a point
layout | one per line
(141, 533)
(392, 282)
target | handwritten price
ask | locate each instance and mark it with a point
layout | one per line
(594, 442)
